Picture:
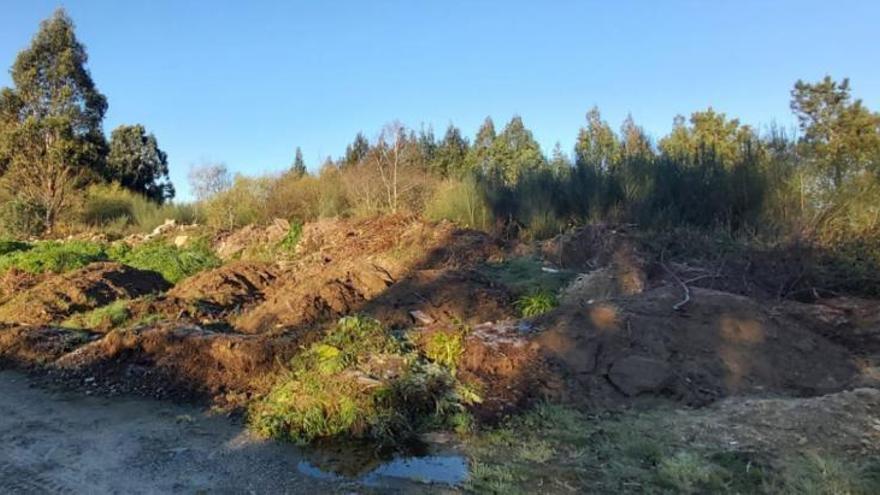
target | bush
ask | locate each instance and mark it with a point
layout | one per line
(53, 256)
(117, 209)
(461, 202)
(360, 381)
(7, 246)
(22, 219)
(173, 263)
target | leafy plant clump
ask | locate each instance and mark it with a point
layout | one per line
(52, 256)
(359, 381)
(536, 304)
(106, 317)
(291, 239)
(10, 246)
(446, 348)
(172, 262)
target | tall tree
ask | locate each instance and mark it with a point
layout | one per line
(356, 151)
(209, 179)
(597, 146)
(840, 136)
(55, 140)
(451, 153)
(137, 163)
(299, 165)
(516, 152)
(480, 156)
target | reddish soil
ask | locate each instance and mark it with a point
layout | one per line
(60, 296)
(178, 362)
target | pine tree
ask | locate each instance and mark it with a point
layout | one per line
(451, 154)
(480, 157)
(299, 165)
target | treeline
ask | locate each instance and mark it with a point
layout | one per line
(52, 144)
(710, 172)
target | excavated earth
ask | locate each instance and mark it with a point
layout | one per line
(630, 329)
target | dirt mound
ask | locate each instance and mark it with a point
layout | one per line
(403, 239)
(177, 362)
(385, 266)
(80, 290)
(720, 345)
(230, 287)
(232, 244)
(319, 295)
(16, 280)
(28, 346)
(842, 423)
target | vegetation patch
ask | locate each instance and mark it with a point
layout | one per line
(527, 275)
(106, 317)
(359, 381)
(567, 451)
(172, 262)
(52, 256)
(536, 304)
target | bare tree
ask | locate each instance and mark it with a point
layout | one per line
(209, 179)
(395, 163)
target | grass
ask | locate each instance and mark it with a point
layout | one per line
(172, 262)
(358, 382)
(106, 317)
(51, 256)
(526, 275)
(556, 449)
(536, 304)
(446, 348)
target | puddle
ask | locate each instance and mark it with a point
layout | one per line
(367, 467)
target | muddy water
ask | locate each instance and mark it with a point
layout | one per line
(65, 442)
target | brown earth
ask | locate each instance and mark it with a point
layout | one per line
(615, 341)
(719, 345)
(93, 286)
(177, 362)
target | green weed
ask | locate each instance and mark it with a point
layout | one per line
(446, 348)
(52, 256)
(536, 304)
(172, 262)
(106, 317)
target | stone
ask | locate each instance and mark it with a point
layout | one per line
(634, 375)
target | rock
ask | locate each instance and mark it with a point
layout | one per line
(165, 227)
(421, 317)
(181, 240)
(634, 375)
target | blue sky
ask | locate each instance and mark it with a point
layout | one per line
(247, 82)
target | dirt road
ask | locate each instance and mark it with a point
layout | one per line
(66, 442)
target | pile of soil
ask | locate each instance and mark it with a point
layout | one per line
(16, 280)
(26, 347)
(719, 345)
(93, 286)
(229, 245)
(231, 287)
(170, 361)
(387, 267)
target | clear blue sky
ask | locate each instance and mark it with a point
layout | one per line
(246, 82)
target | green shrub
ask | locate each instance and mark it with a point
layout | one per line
(360, 381)
(53, 256)
(461, 202)
(20, 218)
(445, 348)
(115, 208)
(536, 304)
(172, 262)
(291, 239)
